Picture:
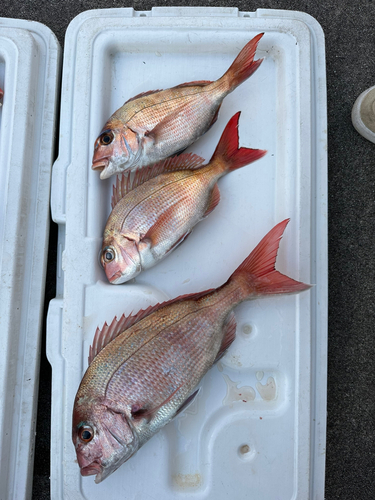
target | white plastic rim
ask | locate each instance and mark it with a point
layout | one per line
(357, 121)
(29, 69)
(271, 445)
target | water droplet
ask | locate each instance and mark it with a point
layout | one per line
(244, 393)
(267, 391)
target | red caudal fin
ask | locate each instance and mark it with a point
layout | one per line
(228, 151)
(257, 272)
(244, 65)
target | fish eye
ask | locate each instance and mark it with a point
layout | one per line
(108, 254)
(86, 434)
(106, 138)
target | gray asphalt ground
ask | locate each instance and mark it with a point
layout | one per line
(349, 30)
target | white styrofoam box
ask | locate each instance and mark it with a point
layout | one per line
(29, 70)
(271, 446)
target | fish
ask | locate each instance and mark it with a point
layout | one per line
(160, 123)
(144, 369)
(156, 213)
(1, 96)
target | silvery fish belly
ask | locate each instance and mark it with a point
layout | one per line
(144, 369)
(157, 124)
(152, 215)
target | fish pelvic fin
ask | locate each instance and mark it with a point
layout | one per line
(257, 274)
(126, 182)
(227, 151)
(243, 66)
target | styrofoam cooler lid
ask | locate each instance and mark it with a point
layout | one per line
(270, 444)
(29, 74)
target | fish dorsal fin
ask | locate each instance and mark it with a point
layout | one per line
(106, 334)
(197, 83)
(103, 336)
(142, 94)
(124, 184)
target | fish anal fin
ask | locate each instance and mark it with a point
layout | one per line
(215, 117)
(142, 94)
(185, 161)
(187, 402)
(228, 337)
(214, 201)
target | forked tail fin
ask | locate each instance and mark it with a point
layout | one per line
(243, 66)
(257, 272)
(228, 151)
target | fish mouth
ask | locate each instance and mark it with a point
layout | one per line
(115, 277)
(100, 164)
(92, 469)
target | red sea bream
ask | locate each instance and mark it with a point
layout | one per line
(155, 213)
(144, 369)
(157, 124)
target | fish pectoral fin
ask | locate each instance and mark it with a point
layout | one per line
(187, 402)
(148, 243)
(229, 329)
(161, 229)
(214, 201)
(162, 130)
